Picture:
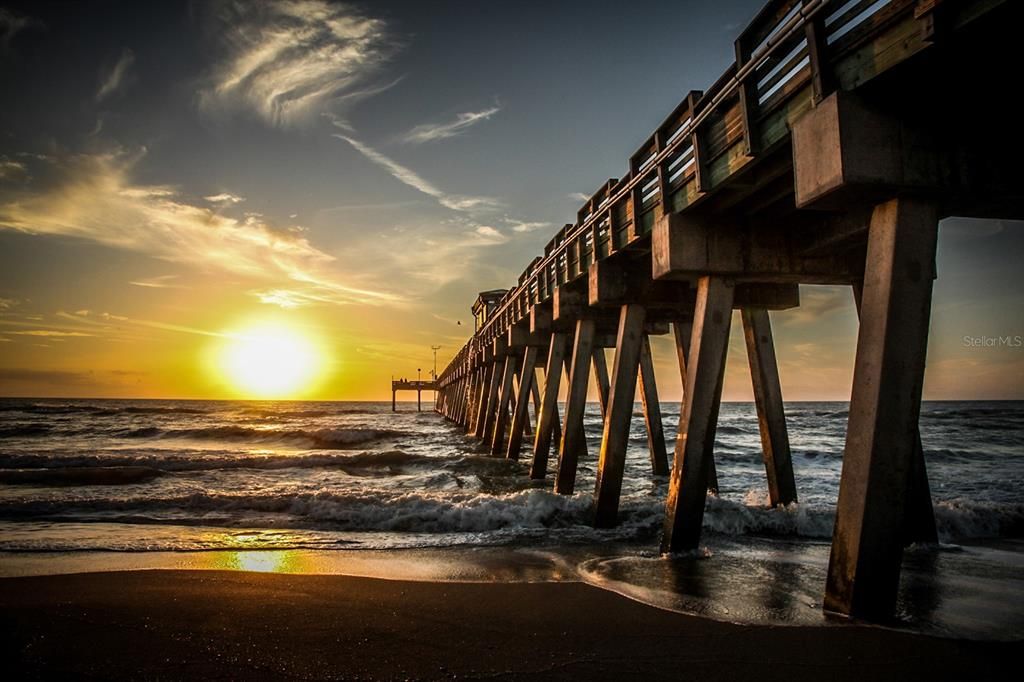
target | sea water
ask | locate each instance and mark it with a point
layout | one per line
(345, 481)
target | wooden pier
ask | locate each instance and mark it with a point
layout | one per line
(826, 153)
(411, 385)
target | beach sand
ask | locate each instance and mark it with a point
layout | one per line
(222, 624)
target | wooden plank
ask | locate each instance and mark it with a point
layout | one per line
(521, 416)
(652, 411)
(771, 416)
(684, 509)
(615, 438)
(573, 438)
(867, 544)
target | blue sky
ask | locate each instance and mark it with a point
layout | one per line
(361, 171)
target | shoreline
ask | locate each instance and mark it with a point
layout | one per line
(160, 623)
(772, 583)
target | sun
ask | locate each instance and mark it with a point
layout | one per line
(270, 360)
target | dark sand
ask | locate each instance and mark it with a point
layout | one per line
(221, 625)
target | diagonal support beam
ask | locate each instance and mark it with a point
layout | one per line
(881, 434)
(615, 439)
(573, 438)
(652, 411)
(521, 416)
(547, 421)
(919, 519)
(490, 405)
(771, 416)
(683, 334)
(504, 397)
(684, 509)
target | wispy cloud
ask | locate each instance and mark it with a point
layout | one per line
(429, 132)
(578, 196)
(225, 198)
(523, 226)
(49, 332)
(488, 235)
(114, 78)
(158, 282)
(285, 60)
(9, 168)
(12, 24)
(92, 197)
(409, 177)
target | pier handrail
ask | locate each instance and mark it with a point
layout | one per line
(779, 54)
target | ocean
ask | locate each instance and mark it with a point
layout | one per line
(348, 486)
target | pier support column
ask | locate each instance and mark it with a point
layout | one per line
(535, 392)
(771, 416)
(684, 509)
(615, 438)
(547, 419)
(521, 416)
(652, 411)
(919, 517)
(573, 437)
(486, 378)
(491, 409)
(683, 333)
(881, 435)
(601, 379)
(505, 395)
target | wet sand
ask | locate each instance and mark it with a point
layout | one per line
(222, 624)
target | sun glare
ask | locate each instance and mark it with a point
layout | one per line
(270, 361)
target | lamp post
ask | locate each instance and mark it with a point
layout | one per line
(434, 372)
(419, 388)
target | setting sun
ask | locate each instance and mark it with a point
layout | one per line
(270, 361)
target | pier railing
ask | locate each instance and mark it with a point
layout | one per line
(790, 56)
(825, 154)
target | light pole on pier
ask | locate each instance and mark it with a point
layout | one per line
(433, 372)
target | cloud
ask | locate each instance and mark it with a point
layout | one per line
(92, 197)
(49, 333)
(12, 24)
(113, 80)
(578, 196)
(10, 169)
(429, 132)
(7, 303)
(225, 198)
(521, 226)
(158, 282)
(412, 179)
(488, 235)
(287, 60)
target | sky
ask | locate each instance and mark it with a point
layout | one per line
(176, 174)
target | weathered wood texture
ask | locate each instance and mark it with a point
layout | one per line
(652, 411)
(548, 419)
(882, 437)
(771, 415)
(573, 438)
(684, 511)
(615, 437)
